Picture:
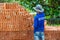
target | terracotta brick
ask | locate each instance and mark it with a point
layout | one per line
(52, 33)
(15, 23)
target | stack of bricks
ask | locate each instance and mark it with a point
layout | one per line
(15, 22)
(52, 33)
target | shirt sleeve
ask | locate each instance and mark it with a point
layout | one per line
(44, 16)
(35, 22)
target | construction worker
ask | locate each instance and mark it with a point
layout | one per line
(39, 23)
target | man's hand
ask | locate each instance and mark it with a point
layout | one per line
(45, 23)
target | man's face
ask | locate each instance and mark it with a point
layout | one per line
(38, 12)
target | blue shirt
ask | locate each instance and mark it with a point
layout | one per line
(39, 22)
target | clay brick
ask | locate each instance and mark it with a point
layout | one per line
(15, 23)
(16, 35)
(1, 6)
(52, 33)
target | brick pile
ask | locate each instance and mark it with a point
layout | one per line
(15, 22)
(52, 33)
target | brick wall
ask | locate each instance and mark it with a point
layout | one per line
(52, 33)
(15, 22)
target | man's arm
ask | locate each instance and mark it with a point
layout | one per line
(45, 22)
(35, 22)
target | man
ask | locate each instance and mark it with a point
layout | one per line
(39, 23)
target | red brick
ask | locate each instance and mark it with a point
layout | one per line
(15, 23)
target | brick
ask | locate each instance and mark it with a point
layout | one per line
(15, 23)
(52, 33)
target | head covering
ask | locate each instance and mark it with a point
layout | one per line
(38, 7)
